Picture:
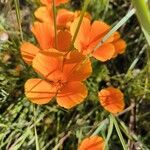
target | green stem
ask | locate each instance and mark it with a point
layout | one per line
(18, 17)
(35, 131)
(80, 21)
(55, 25)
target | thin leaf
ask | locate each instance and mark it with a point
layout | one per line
(119, 132)
(110, 129)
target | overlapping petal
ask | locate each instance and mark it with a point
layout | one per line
(44, 14)
(112, 99)
(77, 67)
(39, 91)
(44, 34)
(92, 143)
(28, 51)
(72, 94)
(64, 40)
(49, 65)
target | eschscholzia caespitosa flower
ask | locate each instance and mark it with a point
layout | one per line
(90, 35)
(92, 143)
(61, 78)
(112, 99)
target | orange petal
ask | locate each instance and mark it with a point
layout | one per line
(39, 91)
(44, 34)
(104, 52)
(112, 99)
(63, 17)
(77, 67)
(92, 143)
(49, 65)
(64, 40)
(44, 14)
(28, 51)
(82, 39)
(71, 94)
(86, 14)
(98, 29)
(120, 46)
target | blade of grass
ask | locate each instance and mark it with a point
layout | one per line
(17, 9)
(110, 129)
(35, 131)
(143, 14)
(55, 26)
(119, 132)
(80, 21)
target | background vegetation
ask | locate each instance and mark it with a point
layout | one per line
(22, 123)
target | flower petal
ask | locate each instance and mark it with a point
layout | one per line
(112, 99)
(77, 67)
(49, 65)
(82, 39)
(104, 52)
(28, 51)
(71, 94)
(98, 29)
(64, 16)
(44, 14)
(120, 46)
(39, 91)
(64, 40)
(44, 34)
(92, 143)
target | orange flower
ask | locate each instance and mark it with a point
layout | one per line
(62, 78)
(112, 99)
(57, 2)
(92, 143)
(90, 35)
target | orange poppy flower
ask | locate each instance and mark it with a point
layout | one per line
(89, 36)
(112, 99)
(57, 2)
(62, 78)
(92, 143)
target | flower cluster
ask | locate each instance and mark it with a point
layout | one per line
(64, 67)
(63, 64)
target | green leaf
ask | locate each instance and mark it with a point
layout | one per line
(119, 132)
(143, 14)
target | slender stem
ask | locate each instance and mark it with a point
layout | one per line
(18, 17)
(55, 25)
(35, 131)
(79, 23)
